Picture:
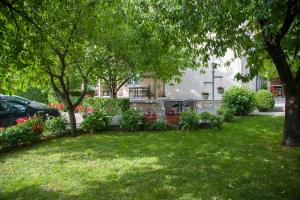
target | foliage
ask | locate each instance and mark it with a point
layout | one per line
(189, 120)
(226, 113)
(56, 126)
(130, 120)
(156, 126)
(111, 106)
(239, 99)
(205, 117)
(33, 94)
(97, 121)
(264, 100)
(215, 121)
(25, 131)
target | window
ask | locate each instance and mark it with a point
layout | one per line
(134, 81)
(11, 106)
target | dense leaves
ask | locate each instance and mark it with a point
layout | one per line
(239, 99)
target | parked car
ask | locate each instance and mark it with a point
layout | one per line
(12, 108)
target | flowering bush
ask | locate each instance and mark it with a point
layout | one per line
(26, 130)
(83, 109)
(57, 106)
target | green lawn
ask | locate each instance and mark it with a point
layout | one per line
(243, 160)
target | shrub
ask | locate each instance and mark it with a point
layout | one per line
(111, 106)
(130, 120)
(56, 126)
(25, 131)
(188, 120)
(34, 94)
(226, 113)
(156, 126)
(97, 121)
(240, 100)
(215, 121)
(205, 117)
(264, 100)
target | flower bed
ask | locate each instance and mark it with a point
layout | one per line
(26, 130)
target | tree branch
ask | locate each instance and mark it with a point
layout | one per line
(85, 84)
(125, 81)
(22, 14)
(289, 19)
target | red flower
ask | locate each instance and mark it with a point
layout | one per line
(39, 126)
(22, 120)
(57, 106)
(79, 108)
(89, 110)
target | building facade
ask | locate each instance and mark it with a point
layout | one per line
(192, 85)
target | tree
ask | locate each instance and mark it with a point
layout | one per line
(257, 30)
(59, 46)
(137, 46)
(115, 73)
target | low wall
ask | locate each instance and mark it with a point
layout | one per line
(159, 106)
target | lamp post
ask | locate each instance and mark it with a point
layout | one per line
(214, 66)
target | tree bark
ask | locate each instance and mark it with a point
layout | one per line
(72, 118)
(113, 94)
(291, 134)
(292, 121)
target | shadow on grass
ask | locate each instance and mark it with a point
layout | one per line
(241, 161)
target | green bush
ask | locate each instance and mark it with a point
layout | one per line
(56, 126)
(33, 94)
(111, 106)
(97, 121)
(205, 117)
(240, 99)
(156, 126)
(215, 121)
(188, 120)
(264, 100)
(27, 130)
(226, 113)
(130, 120)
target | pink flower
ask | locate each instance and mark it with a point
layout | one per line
(89, 110)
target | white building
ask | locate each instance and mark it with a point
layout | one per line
(193, 83)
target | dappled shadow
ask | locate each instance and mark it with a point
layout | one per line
(234, 163)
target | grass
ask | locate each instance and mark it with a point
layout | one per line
(243, 160)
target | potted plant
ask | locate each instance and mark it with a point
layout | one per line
(172, 117)
(220, 90)
(149, 117)
(205, 95)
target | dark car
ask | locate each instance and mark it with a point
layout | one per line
(12, 108)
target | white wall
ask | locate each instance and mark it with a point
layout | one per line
(193, 85)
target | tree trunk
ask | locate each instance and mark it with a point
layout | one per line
(72, 119)
(113, 94)
(291, 135)
(292, 121)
